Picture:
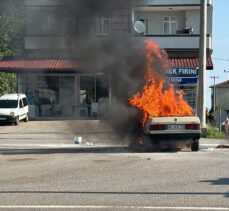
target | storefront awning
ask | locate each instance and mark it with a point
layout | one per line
(44, 65)
(190, 63)
(72, 65)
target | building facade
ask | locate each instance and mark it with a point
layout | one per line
(175, 26)
(66, 41)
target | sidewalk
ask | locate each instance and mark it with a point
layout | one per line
(60, 135)
(63, 135)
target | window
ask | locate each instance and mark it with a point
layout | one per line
(170, 25)
(50, 21)
(103, 25)
(190, 93)
(20, 104)
(25, 101)
(8, 103)
(87, 90)
(48, 89)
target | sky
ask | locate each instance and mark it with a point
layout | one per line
(220, 54)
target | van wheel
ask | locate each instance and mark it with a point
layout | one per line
(26, 118)
(195, 146)
(17, 120)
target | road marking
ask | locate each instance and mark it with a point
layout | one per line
(109, 207)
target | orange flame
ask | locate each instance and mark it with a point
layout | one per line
(158, 98)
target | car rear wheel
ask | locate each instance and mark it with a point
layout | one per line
(195, 146)
(26, 118)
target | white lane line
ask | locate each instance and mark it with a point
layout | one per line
(110, 207)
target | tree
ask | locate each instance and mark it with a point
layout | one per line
(12, 19)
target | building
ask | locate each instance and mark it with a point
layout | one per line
(66, 42)
(220, 101)
(175, 26)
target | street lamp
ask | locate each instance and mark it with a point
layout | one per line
(214, 92)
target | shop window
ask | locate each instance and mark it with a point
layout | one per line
(87, 90)
(190, 94)
(94, 95)
(48, 89)
(102, 87)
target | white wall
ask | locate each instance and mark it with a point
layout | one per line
(168, 2)
(188, 18)
(49, 43)
(155, 20)
(193, 20)
(222, 98)
(175, 42)
(48, 2)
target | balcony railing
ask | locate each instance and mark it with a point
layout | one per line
(177, 41)
(43, 42)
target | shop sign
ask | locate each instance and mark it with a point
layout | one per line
(182, 72)
(183, 80)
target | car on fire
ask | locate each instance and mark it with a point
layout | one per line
(172, 132)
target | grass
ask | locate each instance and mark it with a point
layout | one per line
(213, 132)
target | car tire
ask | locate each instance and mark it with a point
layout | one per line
(195, 146)
(26, 118)
(16, 121)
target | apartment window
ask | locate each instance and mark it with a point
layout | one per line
(50, 21)
(170, 25)
(103, 25)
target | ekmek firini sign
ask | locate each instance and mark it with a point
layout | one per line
(182, 72)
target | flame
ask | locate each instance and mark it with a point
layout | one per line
(158, 98)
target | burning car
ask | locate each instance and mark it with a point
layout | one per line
(167, 118)
(172, 131)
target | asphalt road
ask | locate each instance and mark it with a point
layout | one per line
(116, 181)
(109, 177)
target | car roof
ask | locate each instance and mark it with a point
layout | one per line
(11, 96)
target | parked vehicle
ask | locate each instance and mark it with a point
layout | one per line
(13, 108)
(173, 131)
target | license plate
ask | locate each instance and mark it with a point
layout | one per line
(175, 127)
(1, 118)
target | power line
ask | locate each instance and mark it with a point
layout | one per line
(221, 59)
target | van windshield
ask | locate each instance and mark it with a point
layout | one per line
(8, 103)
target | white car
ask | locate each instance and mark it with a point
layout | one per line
(13, 108)
(173, 131)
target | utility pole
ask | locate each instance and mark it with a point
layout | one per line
(202, 66)
(214, 92)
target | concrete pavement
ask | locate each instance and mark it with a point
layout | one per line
(51, 136)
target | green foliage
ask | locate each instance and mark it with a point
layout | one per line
(12, 27)
(7, 83)
(213, 132)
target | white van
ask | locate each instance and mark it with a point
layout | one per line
(13, 108)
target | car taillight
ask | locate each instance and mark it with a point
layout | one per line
(157, 127)
(192, 126)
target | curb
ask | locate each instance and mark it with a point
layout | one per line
(63, 148)
(223, 146)
(79, 148)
